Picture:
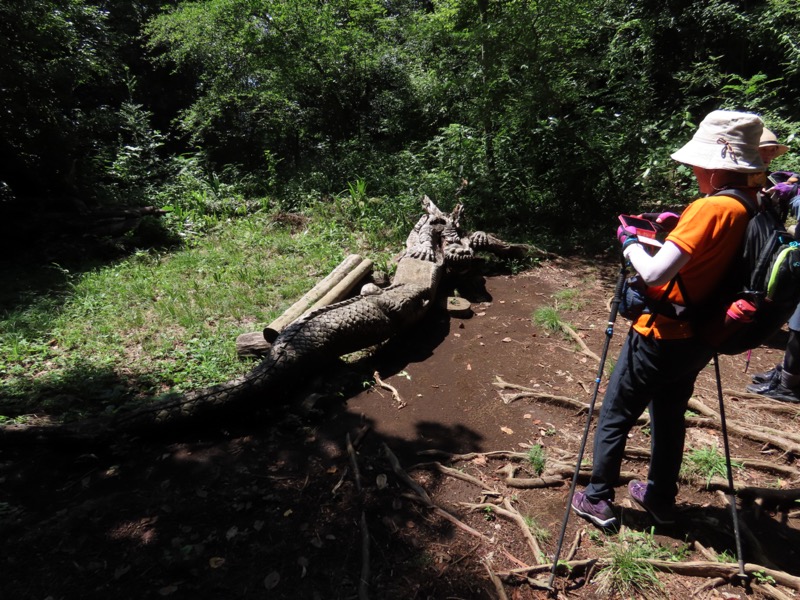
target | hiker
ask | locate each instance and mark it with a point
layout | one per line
(661, 358)
(782, 382)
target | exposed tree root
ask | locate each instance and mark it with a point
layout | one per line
(576, 543)
(575, 336)
(726, 571)
(509, 512)
(455, 473)
(775, 406)
(716, 572)
(498, 585)
(786, 441)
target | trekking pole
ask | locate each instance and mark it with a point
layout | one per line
(731, 494)
(612, 317)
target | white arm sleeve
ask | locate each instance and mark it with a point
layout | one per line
(658, 269)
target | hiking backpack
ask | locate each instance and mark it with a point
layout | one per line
(765, 276)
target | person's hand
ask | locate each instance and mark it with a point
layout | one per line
(787, 176)
(666, 221)
(626, 236)
(783, 193)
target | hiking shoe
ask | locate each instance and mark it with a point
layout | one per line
(662, 514)
(766, 376)
(600, 513)
(776, 390)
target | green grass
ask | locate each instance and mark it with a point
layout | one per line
(548, 318)
(570, 299)
(627, 574)
(86, 341)
(537, 459)
(705, 463)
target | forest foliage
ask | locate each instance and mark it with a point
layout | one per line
(556, 114)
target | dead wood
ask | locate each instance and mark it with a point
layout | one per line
(526, 392)
(391, 388)
(709, 585)
(755, 549)
(707, 552)
(747, 431)
(787, 442)
(351, 452)
(702, 409)
(774, 406)
(769, 499)
(750, 463)
(507, 250)
(447, 516)
(473, 455)
(770, 591)
(527, 483)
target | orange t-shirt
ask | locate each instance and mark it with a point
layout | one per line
(710, 230)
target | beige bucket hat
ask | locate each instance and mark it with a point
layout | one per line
(727, 140)
(770, 139)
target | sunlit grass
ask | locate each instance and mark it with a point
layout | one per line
(548, 318)
(537, 459)
(706, 463)
(158, 320)
(627, 574)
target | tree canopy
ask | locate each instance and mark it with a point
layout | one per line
(551, 111)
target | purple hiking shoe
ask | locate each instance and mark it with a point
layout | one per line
(662, 514)
(600, 513)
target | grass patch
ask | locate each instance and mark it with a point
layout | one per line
(537, 459)
(705, 463)
(627, 573)
(570, 299)
(90, 340)
(548, 318)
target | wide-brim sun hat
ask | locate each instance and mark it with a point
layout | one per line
(726, 140)
(770, 139)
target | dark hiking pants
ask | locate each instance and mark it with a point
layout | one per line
(654, 374)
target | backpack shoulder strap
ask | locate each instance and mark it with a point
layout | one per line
(750, 205)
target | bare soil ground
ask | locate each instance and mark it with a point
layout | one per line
(275, 504)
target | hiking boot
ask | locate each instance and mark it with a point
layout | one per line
(776, 390)
(600, 513)
(661, 513)
(766, 376)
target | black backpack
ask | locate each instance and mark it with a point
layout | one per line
(766, 275)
